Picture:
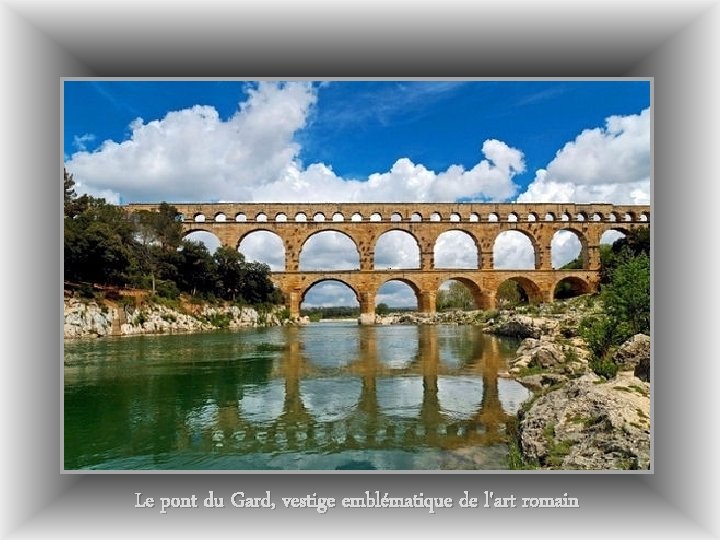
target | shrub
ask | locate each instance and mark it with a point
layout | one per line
(604, 367)
(599, 332)
(167, 289)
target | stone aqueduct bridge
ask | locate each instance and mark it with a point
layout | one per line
(365, 223)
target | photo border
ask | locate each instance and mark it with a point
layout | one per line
(678, 498)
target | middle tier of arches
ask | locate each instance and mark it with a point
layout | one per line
(295, 247)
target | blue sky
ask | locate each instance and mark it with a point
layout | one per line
(391, 141)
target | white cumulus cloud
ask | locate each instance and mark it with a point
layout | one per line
(194, 155)
(604, 164)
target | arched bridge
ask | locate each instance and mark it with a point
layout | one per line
(364, 223)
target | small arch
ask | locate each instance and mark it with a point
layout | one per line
(220, 217)
(517, 290)
(455, 217)
(300, 217)
(512, 217)
(644, 217)
(435, 216)
(396, 249)
(240, 217)
(492, 217)
(532, 217)
(612, 217)
(456, 249)
(474, 217)
(570, 287)
(199, 217)
(357, 216)
(549, 216)
(629, 216)
(261, 217)
(565, 217)
(281, 217)
(581, 216)
(416, 216)
(375, 216)
(337, 216)
(319, 216)
(597, 217)
(396, 216)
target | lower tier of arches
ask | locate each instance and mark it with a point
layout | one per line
(537, 286)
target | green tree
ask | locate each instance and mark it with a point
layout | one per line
(626, 302)
(382, 309)
(196, 268)
(98, 244)
(456, 296)
(230, 272)
(158, 235)
(627, 297)
(257, 288)
(510, 293)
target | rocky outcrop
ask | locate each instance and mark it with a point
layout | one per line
(547, 353)
(522, 326)
(590, 424)
(93, 319)
(88, 319)
(448, 317)
(634, 351)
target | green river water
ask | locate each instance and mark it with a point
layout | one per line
(325, 396)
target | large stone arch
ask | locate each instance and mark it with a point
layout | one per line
(625, 231)
(302, 246)
(319, 280)
(581, 237)
(532, 289)
(410, 235)
(401, 279)
(207, 229)
(575, 287)
(465, 234)
(210, 243)
(281, 263)
(481, 298)
(527, 234)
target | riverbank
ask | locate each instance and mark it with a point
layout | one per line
(85, 318)
(576, 419)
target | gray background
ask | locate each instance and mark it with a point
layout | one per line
(672, 42)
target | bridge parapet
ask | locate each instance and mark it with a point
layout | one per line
(413, 212)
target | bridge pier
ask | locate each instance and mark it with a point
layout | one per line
(426, 302)
(292, 300)
(367, 307)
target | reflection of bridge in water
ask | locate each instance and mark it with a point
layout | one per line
(368, 404)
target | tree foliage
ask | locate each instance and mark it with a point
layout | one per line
(625, 297)
(510, 294)
(106, 245)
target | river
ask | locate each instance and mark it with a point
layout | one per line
(332, 395)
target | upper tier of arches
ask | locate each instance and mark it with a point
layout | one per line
(410, 212)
